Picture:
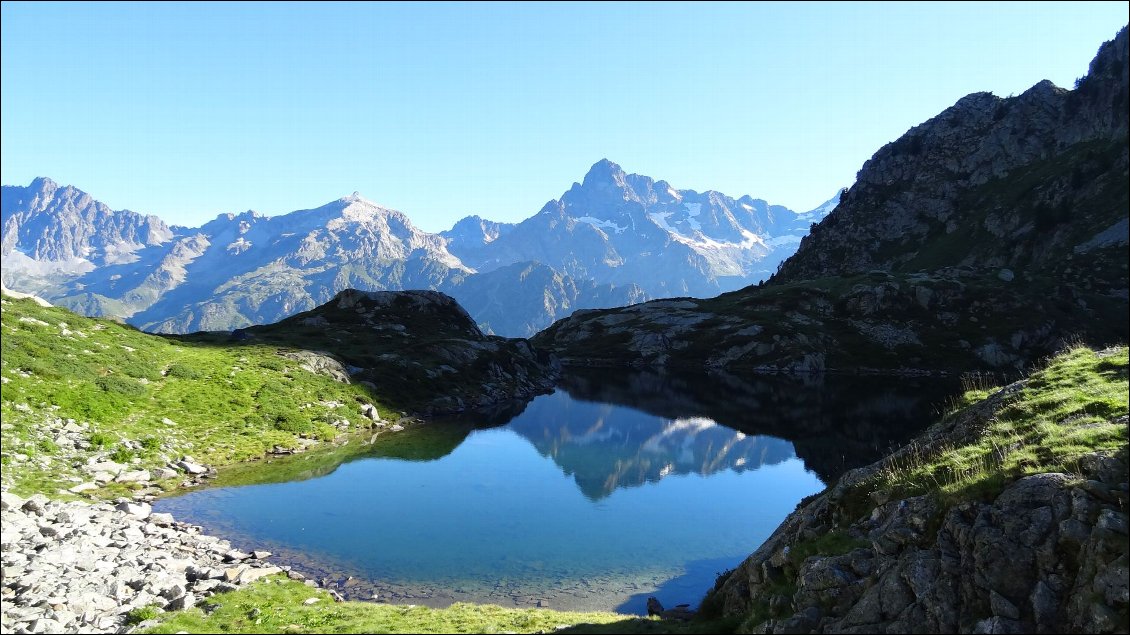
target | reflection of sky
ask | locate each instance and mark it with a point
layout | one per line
(496, 508)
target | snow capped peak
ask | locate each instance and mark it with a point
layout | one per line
(826, 207)
(357, 207)
(355, 198)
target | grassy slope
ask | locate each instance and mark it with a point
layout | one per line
(119, 384)
(1075, 406)
(277, 606)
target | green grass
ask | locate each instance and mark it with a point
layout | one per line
(834, 543)
(139, 615)
(417, 443)
(1074, 406)
(121, 387)
(278, 606)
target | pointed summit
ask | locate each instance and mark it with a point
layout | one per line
(42, 183)
(604, 172)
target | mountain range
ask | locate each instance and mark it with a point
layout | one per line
(614, 239)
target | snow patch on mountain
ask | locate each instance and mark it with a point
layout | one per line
(601, 224)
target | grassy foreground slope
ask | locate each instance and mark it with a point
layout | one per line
(1008, 515)
(280, 606)
(78, 391)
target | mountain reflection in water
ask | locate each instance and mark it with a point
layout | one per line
(617, 486)
(687, 424)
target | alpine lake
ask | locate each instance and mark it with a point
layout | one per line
(618, 486)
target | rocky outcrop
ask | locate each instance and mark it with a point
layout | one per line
(419, 349)
(957, 320)
(991, 182)
(76, 567)
(1047, 553)
(981, 240)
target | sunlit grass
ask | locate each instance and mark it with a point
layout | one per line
(145, 400)
(1075, 406)
(280, 606)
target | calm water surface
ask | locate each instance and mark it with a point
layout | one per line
(615, 487)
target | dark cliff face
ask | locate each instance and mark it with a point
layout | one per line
(1031, 549)
(982, 239)
(1018, 182)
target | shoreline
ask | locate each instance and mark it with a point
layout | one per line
(73, 566)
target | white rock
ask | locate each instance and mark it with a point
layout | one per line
(9, 500)
(104, 466)
(192, 467)
(137, 476)
(137, 510)
(370, 411)
(161, 519)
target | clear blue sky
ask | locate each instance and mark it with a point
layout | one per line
(442, 110)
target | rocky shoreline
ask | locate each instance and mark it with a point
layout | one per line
(80, 567)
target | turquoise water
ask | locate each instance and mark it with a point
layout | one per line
(573, 503)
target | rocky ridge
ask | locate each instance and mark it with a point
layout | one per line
(981, 240)
(1047, 554)
(939, 196)
(77, 567)
(419, 349)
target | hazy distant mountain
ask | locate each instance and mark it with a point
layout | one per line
(472, 234)
(623, 228)
(238, 270)
(525, 297)
(51, 232)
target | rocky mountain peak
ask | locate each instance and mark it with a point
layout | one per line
(604, 173)
(1111, 61)
(43, 184)
(57, 225)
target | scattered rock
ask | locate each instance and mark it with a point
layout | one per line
(80, 567)
(192, 467)
(137, 510)
(137, 476)
(370, 411)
